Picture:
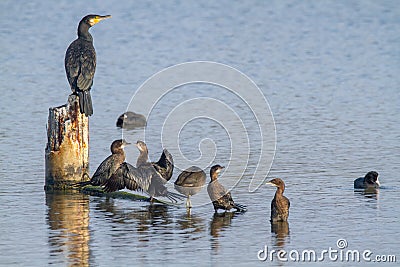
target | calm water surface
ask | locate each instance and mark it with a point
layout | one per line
(329, 69)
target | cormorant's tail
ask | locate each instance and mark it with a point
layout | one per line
(239, 207)
(85, 102)
(82, 184)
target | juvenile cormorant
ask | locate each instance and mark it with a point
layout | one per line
(107, 168)
(143, 177)
(164, 166)
(190, 182)
(221, 198)
(370, 180)
(80, 63)
(280, 204)
(130, 120)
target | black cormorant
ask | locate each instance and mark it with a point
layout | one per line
(280, 204)
(143, 177)
(370, 180)
(130, 120)
(80, 63)
(107, 168)
(221, 198)
(190, 182)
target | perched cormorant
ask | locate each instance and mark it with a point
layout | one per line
(221, 198)
(190, 182)
(370, 180)
(130, 120)
(280, 204)
(143, 177)
(80, 63)
(107, 168)
(164, 166)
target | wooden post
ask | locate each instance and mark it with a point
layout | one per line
(67, 149)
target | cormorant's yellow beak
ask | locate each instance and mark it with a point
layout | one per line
(97, 19)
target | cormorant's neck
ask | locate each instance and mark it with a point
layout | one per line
(143, 157)
(280, 190)
(214, 176)
(83, 32)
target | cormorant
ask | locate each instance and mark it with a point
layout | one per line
(130, 120)
(190, 182)
(164, 166)
(280, 204)
(142, 178)
(107, 168)
(80, 63)
(221, 198)
(370, 180)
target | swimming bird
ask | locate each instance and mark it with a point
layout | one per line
(80, 63)
(190, 182)
(131, 120)
(107, 168)
(370, 180)
(219, 196)
(280, 204)
(143, 177)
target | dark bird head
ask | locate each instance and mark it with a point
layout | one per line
(87, 22)
(371, 178)
(91, 20)
(277, 182)
(141, 146)
(215, 170)
(118, 145)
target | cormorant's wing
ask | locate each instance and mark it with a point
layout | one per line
(104, 171)
(125, 176)
(88, 67)
(165, 165)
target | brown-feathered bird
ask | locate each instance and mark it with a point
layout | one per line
(107, 168)
(221, 198)
(143, 177)
(80, 63)
(280, 204)
(190, 182)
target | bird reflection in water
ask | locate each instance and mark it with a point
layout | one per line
(281, 233)
(218, 224)
(368, 192)
(191, 225)
(68, 220)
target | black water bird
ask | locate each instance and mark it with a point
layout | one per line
(143, 177)
(280, 204)
(80, 63)
(190, 182)
(107, 168)
(130, 120)
(370, 180)
(220, 197)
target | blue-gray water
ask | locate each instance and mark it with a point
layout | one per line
(329, 69)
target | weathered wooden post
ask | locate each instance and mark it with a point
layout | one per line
(67, 149)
